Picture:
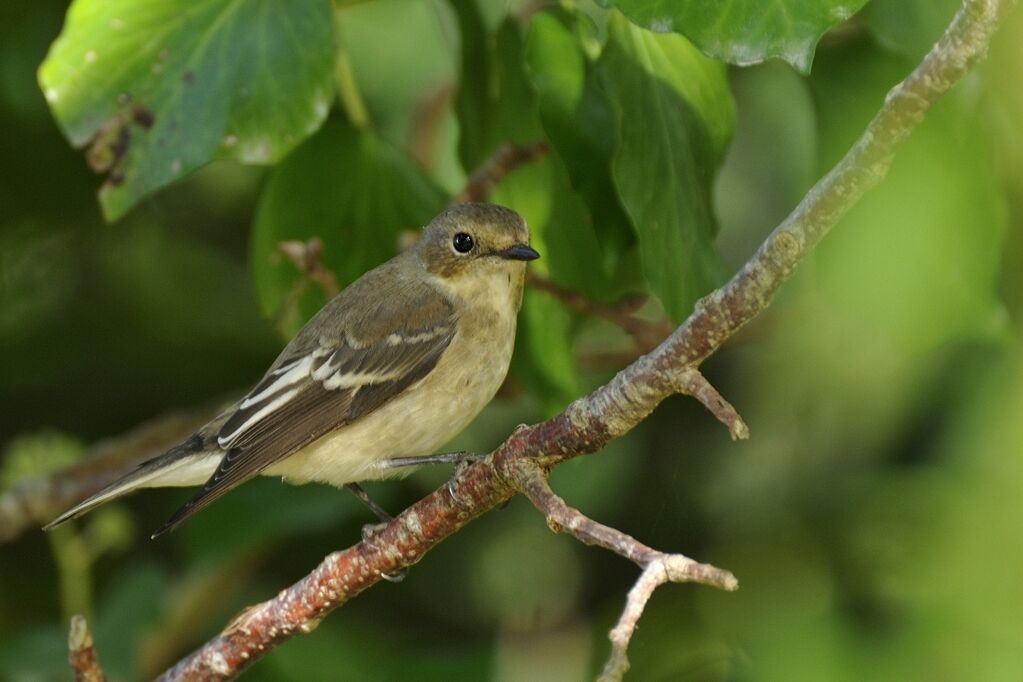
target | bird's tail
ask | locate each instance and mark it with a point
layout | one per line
(189, 463)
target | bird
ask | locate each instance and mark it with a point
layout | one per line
(390, 369)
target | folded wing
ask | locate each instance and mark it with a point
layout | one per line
(315, 388)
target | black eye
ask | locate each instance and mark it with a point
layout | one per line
(463, 243)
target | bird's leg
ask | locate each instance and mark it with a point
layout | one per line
(379, 511)
(370, 529)
(443, 458)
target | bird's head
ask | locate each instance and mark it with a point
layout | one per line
(475, 239)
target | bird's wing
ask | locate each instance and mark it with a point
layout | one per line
(317, 387)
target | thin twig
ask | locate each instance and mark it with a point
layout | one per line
(693, 383)
(658, 567)
(307, 256)
(646, 333)
(664, 568)
(82, 652)
(590, 422)
(507, 158)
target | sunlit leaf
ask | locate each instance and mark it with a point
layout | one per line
(745, 32)
(157, 89)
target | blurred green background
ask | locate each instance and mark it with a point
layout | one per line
(873, 519)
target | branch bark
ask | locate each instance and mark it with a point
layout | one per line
(646, 333)
(82, 652)
(507, 158)
(521, 462)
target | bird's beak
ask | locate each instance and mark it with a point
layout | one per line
(518, 252)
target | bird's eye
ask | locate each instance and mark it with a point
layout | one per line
(463, 243)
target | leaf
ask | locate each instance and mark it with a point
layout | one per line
(578, 119)
(494, 103)
(159, 88)
(674, 116)
(130, 608)
(745, 32)
(350, 189)
(909, 26)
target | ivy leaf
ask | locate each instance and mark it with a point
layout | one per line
(909, 26)
(159, 88)
(745, 32)
(675, 116)
(494, 102)
(580, 123)
(349, 189)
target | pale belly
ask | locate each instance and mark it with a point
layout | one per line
(416, 423)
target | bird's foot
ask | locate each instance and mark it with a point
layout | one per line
(369, 532)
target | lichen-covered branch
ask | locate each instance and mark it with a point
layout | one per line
(531, 481)
(612, 410)
(693, 383)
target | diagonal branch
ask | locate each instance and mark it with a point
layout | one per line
(612, 410)
(663, 568)
(646, 333)
(658, 567)
(507, 158)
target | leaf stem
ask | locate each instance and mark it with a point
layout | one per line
(347, 87)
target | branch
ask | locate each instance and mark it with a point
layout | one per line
(661, 569)
(646, 333)
(612, 410)
(694, 384)
(507, 158)
(82, 652)
(531, 481)
(307, 257)
(658, 567)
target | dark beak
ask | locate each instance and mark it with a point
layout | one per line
(518, 252)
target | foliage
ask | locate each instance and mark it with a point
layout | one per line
(870, 519)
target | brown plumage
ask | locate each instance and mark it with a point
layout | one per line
(428, 335)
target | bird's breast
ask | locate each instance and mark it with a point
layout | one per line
(423, 417)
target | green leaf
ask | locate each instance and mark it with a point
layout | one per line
(909, 26)
(577, 117)
(159, 88)
(745, 32)
(675, 117)
(494, 103)
(404, 62)
(348, 188)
